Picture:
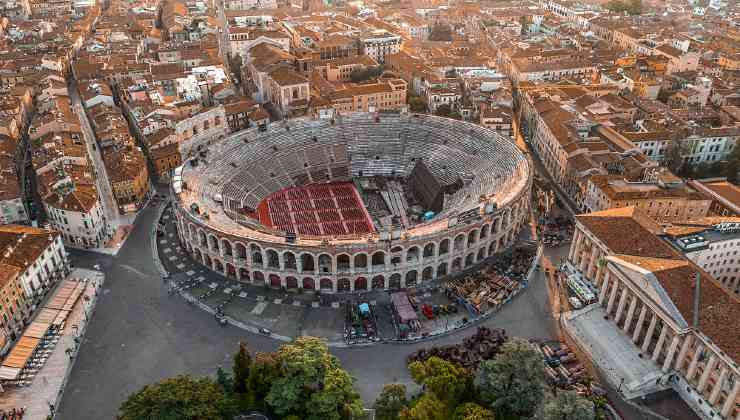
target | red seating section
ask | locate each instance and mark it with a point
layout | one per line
(316, 209)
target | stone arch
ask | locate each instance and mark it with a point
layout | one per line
(326, 284)
(411, 278)
(378, 282)
(413, 254)
(444, 246)
(469, 260)
(378, 258)
(259, 278)
(273, 259)
(456, 265)
(218, 265)
(226, 246)
(472, 237)
(429, 250)
(241, 250)
(307, 262)
(308, 283)
(484, 231)
(442, 270)
(213, 244)
(427, 274)
(256, 252)
(230, 271)
(289, 260)
(360, 261)
(275, 281)
(459, 243)
(202, 240)
(291, 282)
(325, 263)
(481, 254)
(395, 281)
(396, 255)
(361, 283)
(343, 285)
(343, 262)
(243, 274)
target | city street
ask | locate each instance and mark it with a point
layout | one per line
(140, 335)
(110, 208)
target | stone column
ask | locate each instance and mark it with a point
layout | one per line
(599, 272)
(584, 261)
(574, 245)
(718, 385)
(694, 362)
(604, 288)
(592, 262)
(630, 313)
(731, 399)
(661, 341)
(708, 369)
(688, 339)
(299, 265)
(612, 297)
(671, 352)
(640, 322)
(649, 334)
(622, 302)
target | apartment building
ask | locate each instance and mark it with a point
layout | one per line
(31, 262)
(379, 44)
(384, 95)
(665, 198)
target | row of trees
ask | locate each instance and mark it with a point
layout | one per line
(301, 381)
(675, 159)
(511, 386)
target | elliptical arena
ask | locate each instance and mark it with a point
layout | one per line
(360, 202)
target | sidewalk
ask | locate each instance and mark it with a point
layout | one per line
(45, 391)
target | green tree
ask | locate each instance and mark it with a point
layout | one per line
(416, 104)
(567, 405)
(473, 411)
(675, 155)
(313, 383)
(513, 382)
(225, 381)
(178, 398)
(427, 407)
(265, 370)
(241, 368)
(390, 402)
(448, 382)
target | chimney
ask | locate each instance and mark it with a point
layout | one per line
(697, 299)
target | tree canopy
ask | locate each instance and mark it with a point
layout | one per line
(567, 405)
(633, 7)
(426, 407)
(178, 398)
(513, 382)
(473, 411)
(390, 402)
(312, 383)
(448, 382)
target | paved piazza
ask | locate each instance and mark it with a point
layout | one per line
(140, 334)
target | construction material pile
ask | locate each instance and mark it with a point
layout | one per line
(492, 285)
(483, 345)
